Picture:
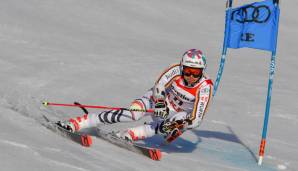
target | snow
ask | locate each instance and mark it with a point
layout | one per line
(110, 52)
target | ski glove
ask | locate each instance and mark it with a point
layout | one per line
(160, 104)
(173, 129)
(161, 109)
(169, 126)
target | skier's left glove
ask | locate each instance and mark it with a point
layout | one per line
(173, 129)
(169, 126)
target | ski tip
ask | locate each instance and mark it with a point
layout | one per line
(86, 140)
(155, 154)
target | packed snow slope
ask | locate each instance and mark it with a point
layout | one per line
(110, 52)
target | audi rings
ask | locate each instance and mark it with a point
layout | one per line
(250, 13)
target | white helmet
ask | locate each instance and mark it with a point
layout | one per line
(193, 58)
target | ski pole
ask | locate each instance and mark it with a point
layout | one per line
(45, 103)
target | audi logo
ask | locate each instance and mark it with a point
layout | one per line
(250, 13)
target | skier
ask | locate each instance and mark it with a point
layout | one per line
(180, 98)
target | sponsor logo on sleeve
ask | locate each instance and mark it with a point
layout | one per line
(201, 108)
(205, 91)
(173, 72)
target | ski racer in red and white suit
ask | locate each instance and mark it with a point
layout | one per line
(180, 99)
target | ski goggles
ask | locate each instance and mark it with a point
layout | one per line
(194, 72)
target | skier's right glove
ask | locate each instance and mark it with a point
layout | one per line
(161, 109)
(160, 104)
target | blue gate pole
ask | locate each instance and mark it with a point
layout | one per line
(267, 110)
(224, 51)
(269, 92)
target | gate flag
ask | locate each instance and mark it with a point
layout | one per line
(254, 26)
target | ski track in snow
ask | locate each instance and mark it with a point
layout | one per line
(15, 144)
(34, 151)
(67, 166)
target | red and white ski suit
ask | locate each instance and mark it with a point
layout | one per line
(183, 102)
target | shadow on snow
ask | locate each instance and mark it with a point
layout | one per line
(182, 145)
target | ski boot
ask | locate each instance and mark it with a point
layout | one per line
(66, 125)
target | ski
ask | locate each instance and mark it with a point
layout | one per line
(111, 137)
(82, 139)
